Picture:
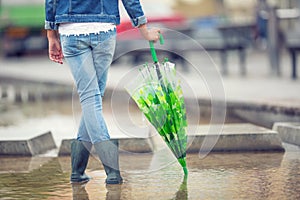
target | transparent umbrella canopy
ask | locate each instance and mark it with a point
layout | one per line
(158, 94)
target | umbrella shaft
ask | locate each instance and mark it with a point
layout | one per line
(159, 76)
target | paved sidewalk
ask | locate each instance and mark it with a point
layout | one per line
(258, 90)
(258, 86)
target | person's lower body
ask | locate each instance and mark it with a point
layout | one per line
(89, 57)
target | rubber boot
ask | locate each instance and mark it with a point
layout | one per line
(80, 152)
(108, 152)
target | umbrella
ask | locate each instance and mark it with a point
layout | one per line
(158, 94)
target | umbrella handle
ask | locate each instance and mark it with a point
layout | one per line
(152, 49)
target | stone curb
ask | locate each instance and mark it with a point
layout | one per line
(233, 137)
(126, 145)
(31, 147)
(288, 132)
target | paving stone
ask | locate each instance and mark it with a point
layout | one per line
(288, 132)
(126, 145)
(27, 147)
(137, 142)
(234, 137)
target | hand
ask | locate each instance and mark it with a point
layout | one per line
(149, 34)
(55, 52)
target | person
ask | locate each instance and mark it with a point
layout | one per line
(83, 33)
(261, 12)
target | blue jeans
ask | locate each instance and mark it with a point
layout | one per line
(89, 57)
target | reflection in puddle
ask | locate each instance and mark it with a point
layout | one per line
(217, 176)
(79, 192)
(38, 183)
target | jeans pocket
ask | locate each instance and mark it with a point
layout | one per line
(73, 45)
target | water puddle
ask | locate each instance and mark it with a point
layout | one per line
(217, 176)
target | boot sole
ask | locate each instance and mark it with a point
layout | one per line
(80, 182)
(113, 182)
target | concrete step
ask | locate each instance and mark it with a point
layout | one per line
(289, 132)
(233, 137)
(126, 145)
(27, 145)
(138, 141)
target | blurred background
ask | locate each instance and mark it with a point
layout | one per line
(254, 23)
(252, 43)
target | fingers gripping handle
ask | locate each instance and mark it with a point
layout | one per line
(152, 49)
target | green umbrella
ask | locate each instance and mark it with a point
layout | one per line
(158, 94)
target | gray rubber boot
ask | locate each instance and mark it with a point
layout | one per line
(108, 152)
(80, 152)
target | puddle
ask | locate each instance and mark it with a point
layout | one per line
(217, 176)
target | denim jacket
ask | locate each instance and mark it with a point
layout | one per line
(65, 11)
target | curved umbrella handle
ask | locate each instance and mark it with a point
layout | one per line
(152, 49)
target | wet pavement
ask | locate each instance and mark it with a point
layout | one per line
(147, 176)
(200, 79)
(217, 176)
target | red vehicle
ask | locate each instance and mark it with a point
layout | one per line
(158, 15)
